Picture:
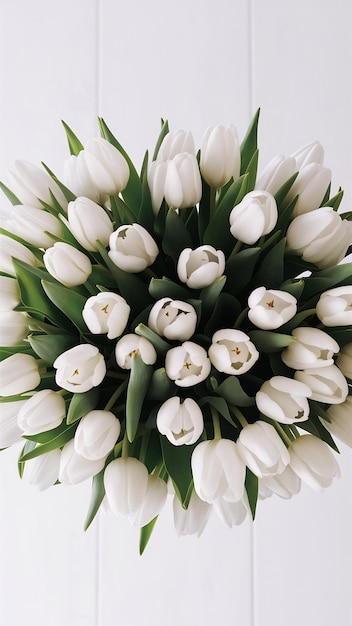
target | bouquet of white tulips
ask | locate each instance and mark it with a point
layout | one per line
(185, 330)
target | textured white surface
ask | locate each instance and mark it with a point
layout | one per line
(195, 62)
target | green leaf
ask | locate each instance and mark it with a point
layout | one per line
(6, 351)
(230, 389)
(176, 235)
(145, 534)
(294, 287)
(74, 143)
(314, 426)
(57, 442)
(146, 215)
(240, 268)
(342, 335)
(335, 201)
(225, 313)
(49, 347)
(47, 435)
(269, 341)
(251, 484)
(97, 496)
(9, 195)
(283, 191)
(81, 404)
(177, 460)
(161, 387)
(160, 345)
(327, 279)
(252, 170)
(28, 446)
(165, 288)
(249, 143)
(209, 295)
(138, 385)
(68, 301)
(67, 192)
(271, 269)
(220, 405)
(164, 131)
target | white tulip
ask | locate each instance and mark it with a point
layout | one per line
(74, 468)
(218, 471)
(10, 293)
(107, 312)
(31, 184)
(313, 461)
(43, 470)
(340, 424)
(285, 485)
(311, 153)
(320, 237)
(254, 216)
(174, 143)
(173, 319)
(232, 513)
(80, 369)
(187, 365)
(156, 183)
(89, 222)
(312, 348)
(34, 225)
(328, 384)
(153, 501)
(271, 308)
(125, 481)
(275, 174)
(334, 307)
(44, 411)
(262, 449)
(9, 249)
(96, 434)
(67, 264)
(284, 400)
(130, 345)
(18, 373)
(10, 432)
(220, 157)
(200, 267)
(183, 184)
(182, 423)
(191, 521)
(344, 360)
(13, 327)
(232, 352)
(132, 248)
(310, 185)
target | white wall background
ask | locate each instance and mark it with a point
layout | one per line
(195, 62)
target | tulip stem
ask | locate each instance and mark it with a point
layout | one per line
(237, 247)
(119, 391)
(239, 416)
(144, 445)
(216, 423)
(294, 430)
(282, 432)
(212, 197)
(125, 446)
(241, 317)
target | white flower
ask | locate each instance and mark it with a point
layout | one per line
(218, 471)
(18, 373)
(132, 248)
(74, 468)
(284, 400)
(13, 327)
(31, 184)
(96, 435)
(340, 424)
(152, 503)
(312, 348)
(232, 352)
(67, 264)
(181, 422)
(89, 222)
(187, 364)
(173, 319)
(44, 411)
(10, 432)
(125, 481)
(328, 384)
(156, 183)
(43, 470)
(33, 225)
(80, 368)
(107, 312)
(320, 237)
(334, 307)
(232, 513)
(344, 360)
(262, 449)
(220, 157)
(183, 184)
(174, 143)
(191, 521)
(10, 293)
(254, 216)
(311, 153)
(130, 345)
(276, 173)
(285, 485)
(310, 185)
(313, 461)
(9, 248)
(200, 267)
(271, 308)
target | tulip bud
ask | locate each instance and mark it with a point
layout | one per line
(340, 425)
(182, 423)
(30, 184)
(328, 384)
(18, 373)
(191, 521)
(43, 470)
(130, 345)
(67, 264)
(96, 435)
(313, 461)
(10, 293)
(125, 481)
(13, 327)
(232, 352)
(218, 471)
(254, 216)
(275, 174)
(311, 153)
(44, 411)
(173, 319)
(285, 485)
(10, 432)
(270, 308)
(187, 364)
(89, 222)
(9, 248)
(153, 501)
(183, 184)
(156, 183)
(34, 225)
(310, 185)
(262, 449)
(284, 400)
(312, 348)
(320, 237)
(79, 369)
(334, 307)
(232, 513)
(107, 312)
(132, 248)
(74, 468)
(200, 267)
(174, 143)
(220, 157)
(344, 360)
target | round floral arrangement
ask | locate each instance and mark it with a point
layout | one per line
(185, 331)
